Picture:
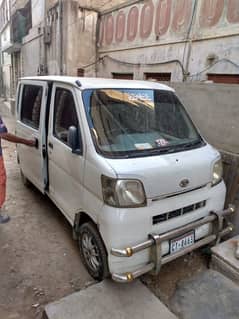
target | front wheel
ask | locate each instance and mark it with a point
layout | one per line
(92, 251)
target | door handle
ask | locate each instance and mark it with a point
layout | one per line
(36, 140)
(50, 145)
(44, 151)
(36, 143)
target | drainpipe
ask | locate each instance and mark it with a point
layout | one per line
(61, 35)
(97, 37)
(45, 66)
(189, 41)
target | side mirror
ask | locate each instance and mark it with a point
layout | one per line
(74, 140)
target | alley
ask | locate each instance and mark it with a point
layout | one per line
(39, 261)
(123, 156)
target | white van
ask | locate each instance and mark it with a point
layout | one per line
(126, 166)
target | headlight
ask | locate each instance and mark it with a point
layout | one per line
(123, 192)
(217, 172)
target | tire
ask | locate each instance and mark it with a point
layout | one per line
(93, 252)
(25, 181)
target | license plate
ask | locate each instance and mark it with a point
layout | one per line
(182, 242)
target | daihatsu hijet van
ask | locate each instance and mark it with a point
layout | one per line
(124, 163)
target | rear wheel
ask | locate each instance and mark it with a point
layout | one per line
(92, 251)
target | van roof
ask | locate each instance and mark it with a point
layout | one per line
(103, 83)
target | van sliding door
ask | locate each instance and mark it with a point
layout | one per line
(66, 169)
(31, 112)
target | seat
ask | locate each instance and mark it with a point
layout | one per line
(60, 130)
(36, 110)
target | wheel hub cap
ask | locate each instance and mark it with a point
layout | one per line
(90, 252)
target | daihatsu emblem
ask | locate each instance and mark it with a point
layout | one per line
(184, 183)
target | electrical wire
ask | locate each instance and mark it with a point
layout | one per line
(216, 62)
(189, 29)
(160, 63)
(149, 64)
(135, 64)
(93, 63)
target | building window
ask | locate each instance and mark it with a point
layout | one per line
(159, 77)
(224, 78)
(31, 105)
(123, 76)
(80, 72)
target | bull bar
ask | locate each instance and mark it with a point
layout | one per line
(154, 242)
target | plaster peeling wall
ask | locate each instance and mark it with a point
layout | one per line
(37, 12)
(32, 53)
(81, 43)
(53, 47)
(156, 31)
(77, 38)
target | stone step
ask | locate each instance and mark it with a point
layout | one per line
(224, 261)
(109, 300)
(207, 295)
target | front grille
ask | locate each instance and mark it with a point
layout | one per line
(178, 212)
(177, 193)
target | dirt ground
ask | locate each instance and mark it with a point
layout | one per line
(164, 285)
(39, 260)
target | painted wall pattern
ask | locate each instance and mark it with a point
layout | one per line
(155, 22)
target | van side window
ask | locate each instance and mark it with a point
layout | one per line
(31, 105)
(64, 114)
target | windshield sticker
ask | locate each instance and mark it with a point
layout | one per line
(161, 142)
(143, 146)
(139, 96)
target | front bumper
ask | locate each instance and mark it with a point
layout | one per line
(217, 219)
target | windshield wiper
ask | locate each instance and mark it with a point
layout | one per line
(191, 144)
(162, 150)
(175, 148)
(148, 152)
(158, 150)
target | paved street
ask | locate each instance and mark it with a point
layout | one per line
(208, 295)
(110, 300)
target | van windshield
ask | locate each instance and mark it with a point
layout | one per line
(138, 122)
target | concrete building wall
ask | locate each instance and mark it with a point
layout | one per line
(98, 5)
(5, 40)
(54, 48)
(71, 32)
(32, 52)
(72, 43)
(81, 39)
(5, 37)
(17, 4)
(214, 109)
(50, 3)
(142, 60)
(21, 24)
(6, 75)
(38, 7)
(184, 37)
